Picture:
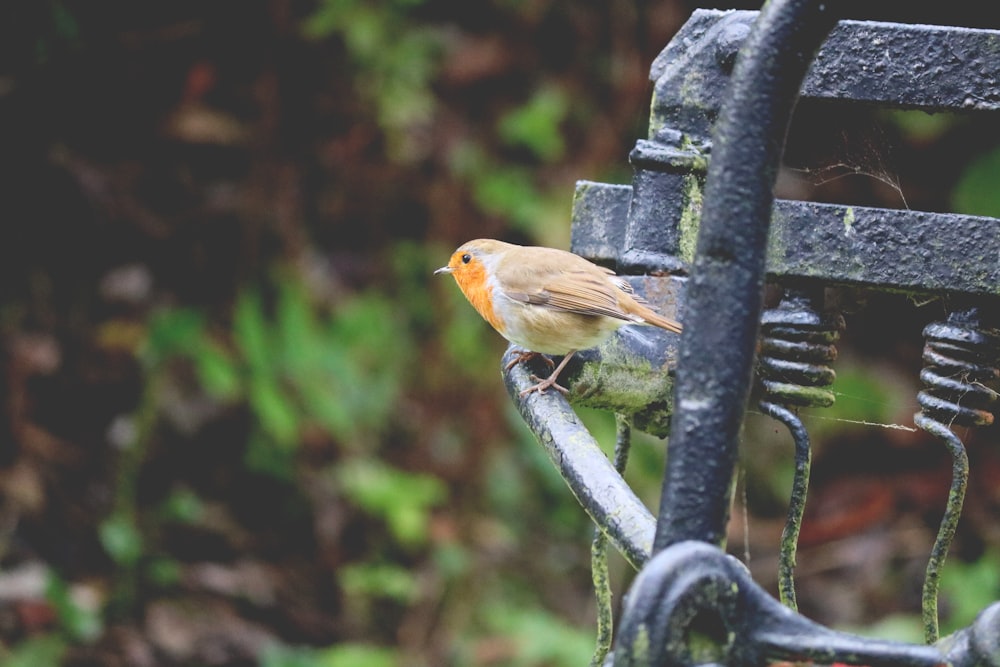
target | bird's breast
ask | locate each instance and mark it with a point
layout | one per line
(552, 331)
(478, 289)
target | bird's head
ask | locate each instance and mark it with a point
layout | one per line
(473, 262)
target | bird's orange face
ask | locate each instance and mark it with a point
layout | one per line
(472, 275)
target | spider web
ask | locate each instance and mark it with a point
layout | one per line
(863, 150)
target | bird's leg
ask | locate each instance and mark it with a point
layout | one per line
(550, 381)
(526, 355)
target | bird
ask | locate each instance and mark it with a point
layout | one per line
(546, 301)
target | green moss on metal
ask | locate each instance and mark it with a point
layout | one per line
(580, 194)
(776, 248)
(692, 90)
(626, 384)
(795, 394)
(639, 649)
(602, 596)
(690, 215)
(849, 220)
(656, 122)
(704, 649)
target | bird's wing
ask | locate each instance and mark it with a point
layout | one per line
(588, 292)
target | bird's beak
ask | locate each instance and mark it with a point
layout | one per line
(444, 269)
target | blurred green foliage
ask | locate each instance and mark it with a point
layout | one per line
(976, 192)
(304, 368)
(402, 499)
(77, 621)
(395, 60)
(298, 366)
(967, 588)
(345, 655)
(47, 649)
(538, 638)
(536, 124)
(920, 126)
(121, 539)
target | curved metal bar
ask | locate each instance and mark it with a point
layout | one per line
(693, 604)
(725, 290)
(960, 356)
(949, 522)
(796, 501)
(591, 477)
(796, 348)
(979, 644)
(599, 554)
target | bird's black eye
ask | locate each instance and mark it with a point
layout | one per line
(466, 258)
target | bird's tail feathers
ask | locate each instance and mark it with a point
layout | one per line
(657, 320)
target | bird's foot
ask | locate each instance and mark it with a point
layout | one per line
(526, 355)
(549, 382)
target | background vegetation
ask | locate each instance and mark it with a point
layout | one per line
(241, 423)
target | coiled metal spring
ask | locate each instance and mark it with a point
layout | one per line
(960, 356)
(797, 346)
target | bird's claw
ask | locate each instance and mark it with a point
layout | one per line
(525, 355)
(543, 385)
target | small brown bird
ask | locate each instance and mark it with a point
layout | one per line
(546, 301)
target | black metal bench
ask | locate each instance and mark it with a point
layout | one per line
(699, 232)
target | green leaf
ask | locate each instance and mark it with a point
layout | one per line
(342, 655)
(173, 332)
(328, 404)
(38, 651)
(250, 329)
(402, 499)
(217, 371)
(541, 637)
(408, 523)
(378, 580)
(164, 572)
(120, 539)
(184, 506)
(351, 655)
(366, 35)
(263, 455)
(277, 414)
(329, 18)
(80, 623)
(66, 26)
(369, 327)
(537, 124)
(511, 192)
(300, 341)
